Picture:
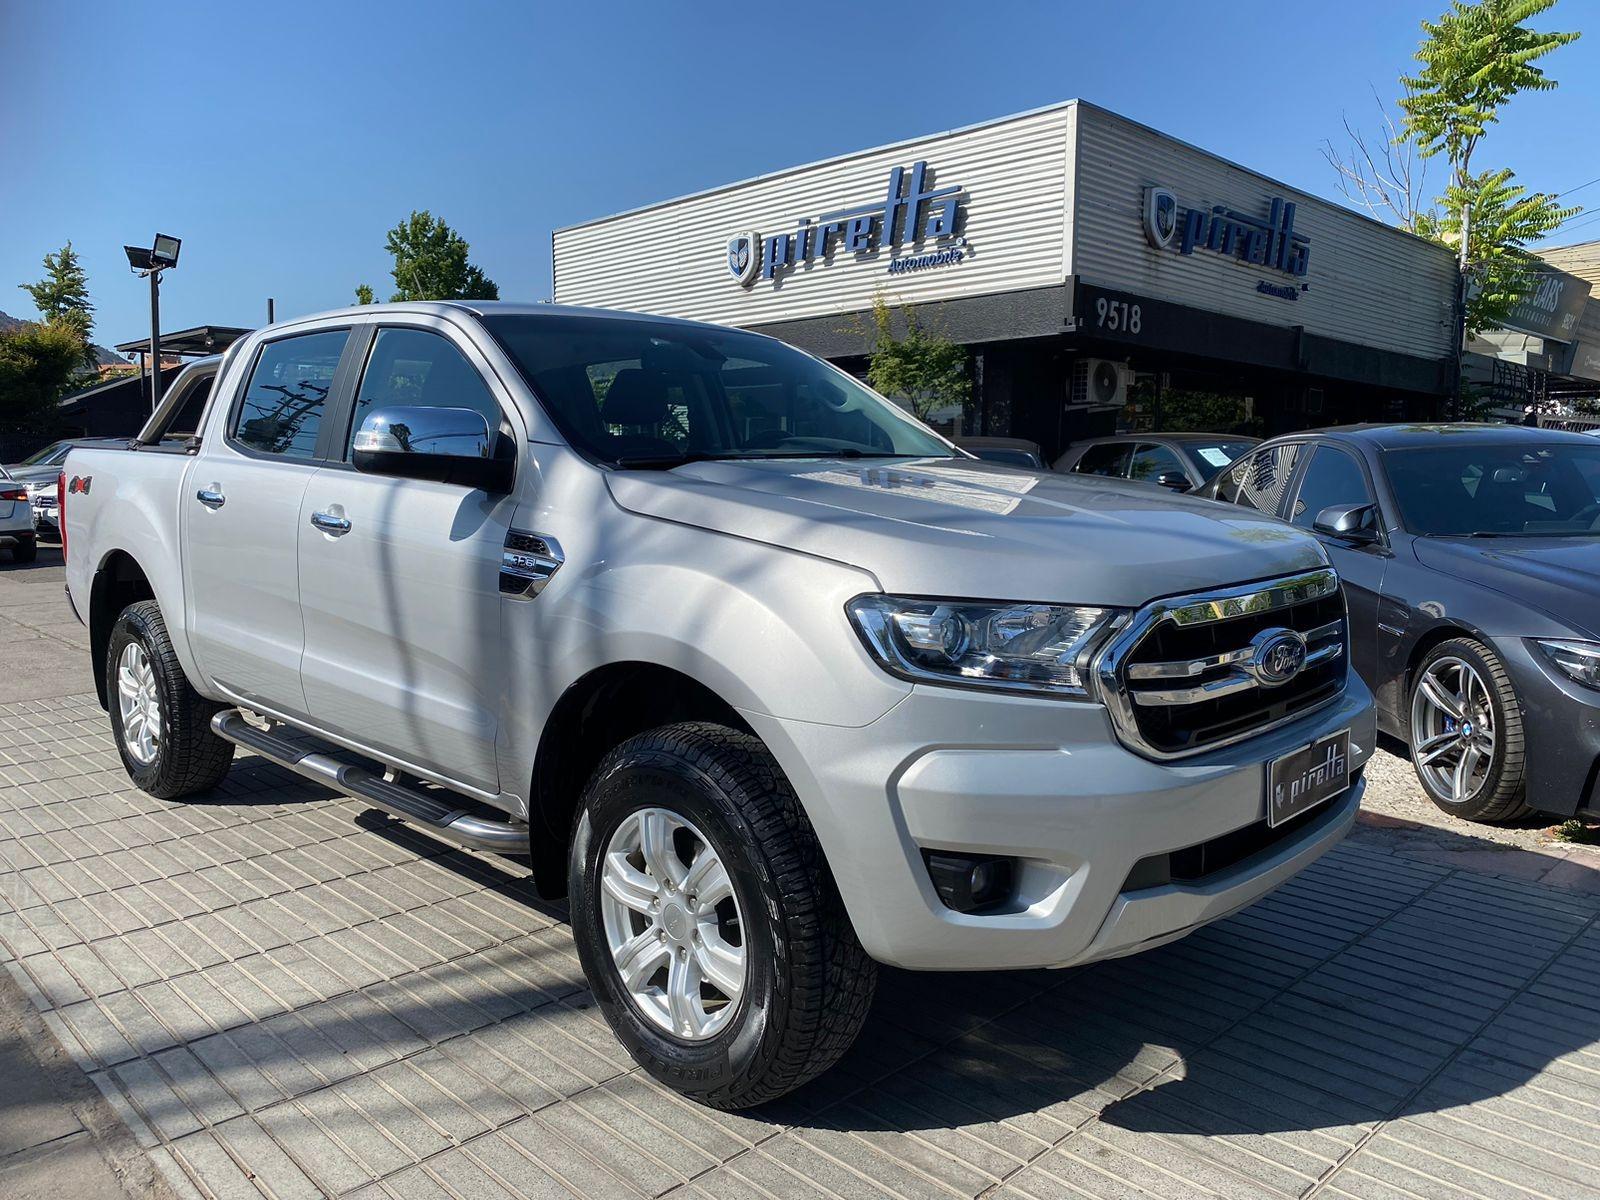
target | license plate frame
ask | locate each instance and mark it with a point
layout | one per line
(1308, 777)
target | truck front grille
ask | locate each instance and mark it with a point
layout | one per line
(1192, 673)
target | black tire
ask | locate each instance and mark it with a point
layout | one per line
(189, 758)
(808, 982)
(25, 551)
(1503, 794)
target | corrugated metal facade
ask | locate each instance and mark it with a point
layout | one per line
(1050, 194)
(671, 258)
(1368, 284)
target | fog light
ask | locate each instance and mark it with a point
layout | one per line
(967, 882)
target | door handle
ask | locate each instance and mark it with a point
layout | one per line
(211, 497)
(329, 523)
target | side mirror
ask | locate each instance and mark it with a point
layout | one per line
(447, 445)
(1176, 480)
(1355, 523)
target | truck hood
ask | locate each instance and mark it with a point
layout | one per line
(957, 527)
(1561, 576)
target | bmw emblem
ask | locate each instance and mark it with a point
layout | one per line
(1276, 656)
(742, 256)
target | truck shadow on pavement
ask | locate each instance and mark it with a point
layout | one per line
(1369, 988)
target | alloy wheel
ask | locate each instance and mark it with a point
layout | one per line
(673, 925)
(139, 703)
(1452, 730)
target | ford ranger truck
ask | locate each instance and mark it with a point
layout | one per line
(769, 680)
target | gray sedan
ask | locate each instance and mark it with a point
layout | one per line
(1180, 461)
(1470, 556)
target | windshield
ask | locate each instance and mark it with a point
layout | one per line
(1507, 489)
(1211, 457)
(48, 457)
(652, 393)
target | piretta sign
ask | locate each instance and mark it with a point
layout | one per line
(914, 213)
(1268, 241)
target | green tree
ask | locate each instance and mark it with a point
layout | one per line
(1475, 59)
(62, 296)
(430, 263)
(1502, 218)
(37, 363)
(915, 365)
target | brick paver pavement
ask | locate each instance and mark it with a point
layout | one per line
(284, 996)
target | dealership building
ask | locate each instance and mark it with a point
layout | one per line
(1103, 275)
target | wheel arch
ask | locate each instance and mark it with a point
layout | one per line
(596, 712)
(118, 582)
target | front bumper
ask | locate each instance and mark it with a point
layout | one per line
(1561, 731)
(1047, 783)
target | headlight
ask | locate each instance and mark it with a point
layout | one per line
(1019, 647)
(1579, 661)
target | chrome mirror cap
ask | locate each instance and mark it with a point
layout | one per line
(446, 445)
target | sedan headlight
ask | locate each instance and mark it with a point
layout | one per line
(1579, 661)
(1019, 647)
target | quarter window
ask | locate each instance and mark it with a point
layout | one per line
(284, 401)
(419, 369)
(1260, 480)
(1332, 478)
(1108, 458)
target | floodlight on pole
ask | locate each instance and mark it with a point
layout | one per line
(150, 263)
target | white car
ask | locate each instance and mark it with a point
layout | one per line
(16, 520)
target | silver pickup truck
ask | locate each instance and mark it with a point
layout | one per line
(771, 681)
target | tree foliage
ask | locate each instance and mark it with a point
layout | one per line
(430, 263)
(1505, 219)
(62, 296)
(919, 367)
(1474, 60)
(37, 363)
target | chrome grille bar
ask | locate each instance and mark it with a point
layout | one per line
(1118, 675)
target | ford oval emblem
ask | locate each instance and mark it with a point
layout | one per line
(1276, 656)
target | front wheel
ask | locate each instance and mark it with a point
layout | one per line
(706, 920)
(1466, 733)
(161, 724)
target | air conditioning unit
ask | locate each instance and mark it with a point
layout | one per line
(1099, 383)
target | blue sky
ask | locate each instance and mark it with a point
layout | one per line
(290, 136)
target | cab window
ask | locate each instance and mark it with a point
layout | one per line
(420, 369)
(1150, 462)
(1108, 458)
(281, 410)
(1333, 477)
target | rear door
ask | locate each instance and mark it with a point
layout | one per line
(240, 514)
(400, 577)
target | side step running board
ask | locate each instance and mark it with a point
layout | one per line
(410, 804)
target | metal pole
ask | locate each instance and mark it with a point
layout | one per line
(155, 339)
(270, 317)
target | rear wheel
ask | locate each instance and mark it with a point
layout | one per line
(161, 724)
(1466, 733)
(706, 920)
(25, 551)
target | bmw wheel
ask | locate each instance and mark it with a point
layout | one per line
(1466, 733)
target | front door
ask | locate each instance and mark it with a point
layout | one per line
(1334, 477)
(399, 582)
(240, 518)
